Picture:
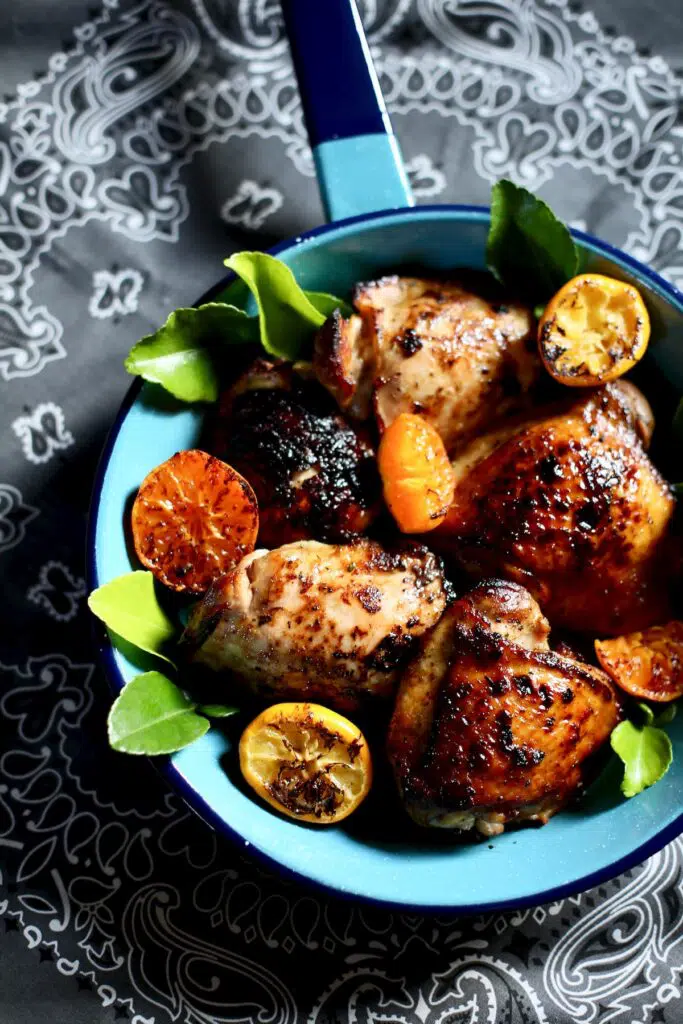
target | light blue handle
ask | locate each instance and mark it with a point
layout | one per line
(356, 154)
(361, 174)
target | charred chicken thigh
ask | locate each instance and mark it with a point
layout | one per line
(569, 505)
(492, 727)
(432, 347)
(316, 621)
(313, 473)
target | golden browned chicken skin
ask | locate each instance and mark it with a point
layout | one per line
(431, 347)
(314, 475)
(311, 621)
(492, 727)
(569, 505)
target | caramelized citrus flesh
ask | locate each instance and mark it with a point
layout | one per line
(306, 761)
(593, 330)
(194, 518)
(647, 664)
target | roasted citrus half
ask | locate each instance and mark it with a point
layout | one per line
(306, 761)
(648, 665)
(193, 519)
(593, 330)
(417, 476)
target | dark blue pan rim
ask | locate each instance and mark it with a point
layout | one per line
(165, 766)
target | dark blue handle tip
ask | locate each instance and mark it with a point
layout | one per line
(357, 158)
(339, 88)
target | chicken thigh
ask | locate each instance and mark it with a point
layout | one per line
(569, 505)
(431, 347)
(490, 726)
(313, 473)
(313, 621)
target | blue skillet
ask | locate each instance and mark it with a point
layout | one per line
(373, 226)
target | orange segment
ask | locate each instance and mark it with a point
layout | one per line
(417, 475)
(193, 519)
(593, 331)
(307, 762)
(648, 665)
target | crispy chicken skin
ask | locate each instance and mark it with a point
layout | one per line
(314, 474)
(491, 727)
(428, 346)
(569, 505)
(313, 621)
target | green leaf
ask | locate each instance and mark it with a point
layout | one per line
(678, 489)
(287, 318)
(185, 354)
(647, 713)
(646, 753)
(217, 710)
(326, 304)
(662, 718)
(128, 605)
(528, 249)
(667, 715)
(677, 422)
(180, 355)
(152, 716)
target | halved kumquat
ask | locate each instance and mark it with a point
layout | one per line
(417, 476)
(193, 519)
(306, 761)
(593, 330)
(647, 665)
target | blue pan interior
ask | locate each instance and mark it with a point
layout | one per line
(579, 847)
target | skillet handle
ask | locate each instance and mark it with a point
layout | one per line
(357, 159)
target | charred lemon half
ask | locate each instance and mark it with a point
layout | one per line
(593, 331)
(306, 761)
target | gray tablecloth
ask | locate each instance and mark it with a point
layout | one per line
(140, 142)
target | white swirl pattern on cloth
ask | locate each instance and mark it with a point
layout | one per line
(104, 873)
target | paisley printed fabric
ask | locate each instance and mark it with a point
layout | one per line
(153, 139)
